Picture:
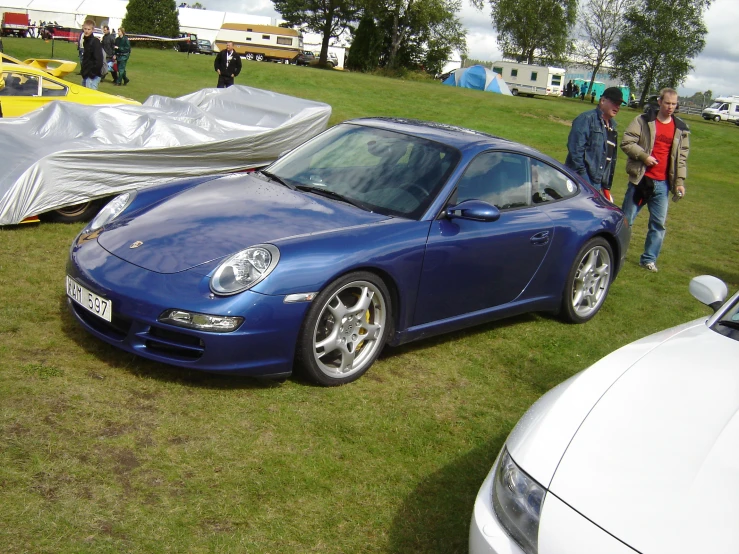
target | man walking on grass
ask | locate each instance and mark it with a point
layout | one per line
(657, 145)
(92, 57)
(591, 145)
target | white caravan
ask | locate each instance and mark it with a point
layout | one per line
(723, 109)
(523, 78)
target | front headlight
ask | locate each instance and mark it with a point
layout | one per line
(517, 501)
(112, 210)
(243, 270)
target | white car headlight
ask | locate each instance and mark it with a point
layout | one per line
(517, 501)
(244, 269)
(112, 210)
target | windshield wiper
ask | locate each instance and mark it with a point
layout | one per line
(335, 196)
(728, 323)
(273, 177)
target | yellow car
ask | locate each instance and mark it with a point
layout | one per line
(24, 88)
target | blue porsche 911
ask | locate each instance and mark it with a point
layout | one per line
(377, 231)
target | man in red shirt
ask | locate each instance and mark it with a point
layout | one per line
(657, 145)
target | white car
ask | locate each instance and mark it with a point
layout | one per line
(638, 453)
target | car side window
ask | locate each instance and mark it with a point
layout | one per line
(498, 178)
(549, 184)
(19, 84)
(52, 88)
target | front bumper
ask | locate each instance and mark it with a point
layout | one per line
(264, 345)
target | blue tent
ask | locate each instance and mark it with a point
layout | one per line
(478, 77)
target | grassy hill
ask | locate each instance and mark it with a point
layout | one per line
(101, 451)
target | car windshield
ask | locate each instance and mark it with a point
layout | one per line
(716, 105)
(728, 324)
(387, 172)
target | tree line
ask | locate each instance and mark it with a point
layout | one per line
(647, 44)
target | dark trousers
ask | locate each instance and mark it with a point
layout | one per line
(224, 81)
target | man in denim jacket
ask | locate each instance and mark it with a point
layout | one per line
(592, 142)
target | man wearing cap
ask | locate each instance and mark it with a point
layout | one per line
(657, 145)
(591, 145)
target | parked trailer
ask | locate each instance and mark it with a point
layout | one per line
(723, 109)
(530, 80)
(261, 42)
(15, 23)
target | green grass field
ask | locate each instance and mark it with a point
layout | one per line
(101, 451)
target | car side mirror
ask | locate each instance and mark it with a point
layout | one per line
(709, 290)
(475, 210)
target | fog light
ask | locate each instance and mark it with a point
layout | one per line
(201, 322)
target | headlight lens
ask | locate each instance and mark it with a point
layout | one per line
(201, 322)
(517, 500)
(244, 269)
(112, 210)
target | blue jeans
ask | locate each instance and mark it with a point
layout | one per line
(91, 82)
(657, 205)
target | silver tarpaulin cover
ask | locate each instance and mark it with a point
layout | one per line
(65, 154)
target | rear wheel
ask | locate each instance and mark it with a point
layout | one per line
(587, 282)
(259, 57)
(73, 214)
(345, 329)
(249, 56)
(514, 92)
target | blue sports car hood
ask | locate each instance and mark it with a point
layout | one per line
(220, 217)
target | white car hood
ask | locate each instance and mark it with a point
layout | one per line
(656, 461)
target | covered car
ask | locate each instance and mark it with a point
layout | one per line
(376, 231)
(66, 156)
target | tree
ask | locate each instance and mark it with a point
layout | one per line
(601, 23)
(529, 29)
(420, 32)
(329, 18)
(152, 17)
(366, 48)
(660, 39)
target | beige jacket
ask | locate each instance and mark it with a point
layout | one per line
(638, 142)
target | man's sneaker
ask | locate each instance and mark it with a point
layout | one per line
(649, 266)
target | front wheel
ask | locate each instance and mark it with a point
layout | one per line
(73, 214)
(717, 118)
(259, 57)
(587, 282)
(345, 329)
(249, 56)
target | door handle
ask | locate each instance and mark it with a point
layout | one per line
(540, 239)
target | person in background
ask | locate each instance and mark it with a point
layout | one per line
(591, 145)
(81, 48)
(657, 144)
(122, 53)
(93, 57)
(228, 65)
(109, 49)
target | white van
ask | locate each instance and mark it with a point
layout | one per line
(526, 79)
(723, 109)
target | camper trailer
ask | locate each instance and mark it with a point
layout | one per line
(526, 79)
(723, 109)
(261, 42)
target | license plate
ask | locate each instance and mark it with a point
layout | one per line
(93, 303)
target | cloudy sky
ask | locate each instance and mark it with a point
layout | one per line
(716, 69)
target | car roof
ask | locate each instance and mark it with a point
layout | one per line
(458, 137)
